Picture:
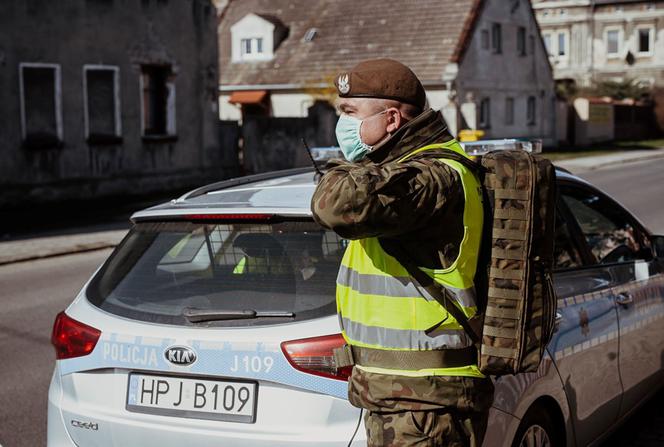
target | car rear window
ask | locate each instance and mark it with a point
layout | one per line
(163, 271)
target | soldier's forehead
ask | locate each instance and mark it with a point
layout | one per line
(356, 103)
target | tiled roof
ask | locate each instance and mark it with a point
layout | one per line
(424, 34)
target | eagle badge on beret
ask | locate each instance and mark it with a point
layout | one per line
(343, 84)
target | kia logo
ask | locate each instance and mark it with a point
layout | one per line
(180, 355)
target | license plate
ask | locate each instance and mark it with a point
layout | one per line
(220, 400)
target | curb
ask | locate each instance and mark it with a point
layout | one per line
(585, 164)
(23, 250)
(55, 254)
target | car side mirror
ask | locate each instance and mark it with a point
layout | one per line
(658, 246)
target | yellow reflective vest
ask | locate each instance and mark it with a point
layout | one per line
(381, 307)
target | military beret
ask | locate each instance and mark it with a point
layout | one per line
(381, 78)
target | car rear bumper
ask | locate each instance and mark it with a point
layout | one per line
(56, 431)
(89, 409)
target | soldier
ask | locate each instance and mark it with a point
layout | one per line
(415, 370)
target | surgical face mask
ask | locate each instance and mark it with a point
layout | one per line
(348, 135)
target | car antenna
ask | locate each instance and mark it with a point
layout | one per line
(319, 173)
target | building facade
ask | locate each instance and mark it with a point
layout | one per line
(482, 62)
(107, 97)
(601, 40)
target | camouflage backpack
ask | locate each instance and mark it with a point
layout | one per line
(520, 312)
(516, 300)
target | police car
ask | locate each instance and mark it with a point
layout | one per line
(213, 323)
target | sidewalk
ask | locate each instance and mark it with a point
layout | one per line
(45, 247)
(585, 164)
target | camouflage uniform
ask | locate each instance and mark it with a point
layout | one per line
(420, 202)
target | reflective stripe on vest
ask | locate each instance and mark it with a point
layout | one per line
(381, 307)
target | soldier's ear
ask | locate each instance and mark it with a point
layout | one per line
(394, 119)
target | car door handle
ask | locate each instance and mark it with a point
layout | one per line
(624, 299)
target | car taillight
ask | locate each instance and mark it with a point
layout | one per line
(72, 338)
(314, 356)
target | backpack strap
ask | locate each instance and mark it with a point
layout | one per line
(472, 165)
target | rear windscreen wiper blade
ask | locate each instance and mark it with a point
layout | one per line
(200, 315)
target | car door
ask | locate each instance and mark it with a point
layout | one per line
(585, 345)
(620, 247)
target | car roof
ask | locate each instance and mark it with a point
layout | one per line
(285, 193)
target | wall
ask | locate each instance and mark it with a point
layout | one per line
(628, 63)
(276, 143)
(228, 111)
(587, 59)
(594, 122)
(574, 19)
(124, 34)
(290, 105)
(483, 74)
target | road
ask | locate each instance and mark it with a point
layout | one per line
(638, 186)
(33, 293)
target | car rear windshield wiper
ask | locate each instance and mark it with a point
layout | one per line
(201, 315)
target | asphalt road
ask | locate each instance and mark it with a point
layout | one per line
(638, 186)
(32, 293)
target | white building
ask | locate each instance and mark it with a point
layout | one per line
(482, 62)
(595, 40)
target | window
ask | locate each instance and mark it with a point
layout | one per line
(509, 111)
(547, 44)
(612, 42)
(521, 41)
(531, 111)
(565, 253)
(485, 113)
(41, 105)
(162, 269)
(531, 44)
(497, 38)
(251, 47)
(562, 44)
(309, 35)
(609, 231)
(484, 37)
(158, 100)
(645, 40)
(101, 104)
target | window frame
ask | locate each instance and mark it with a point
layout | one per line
(255, 43)
(171, 118)
(485, 119)
(589, 259)
(566, 40)
(521, 41)
(619, 30)
(116, 96)
(496, 38)
(549, 47)
(651, 40)
(57, 92)
(531, 118)
(509, 111)
(485, 39)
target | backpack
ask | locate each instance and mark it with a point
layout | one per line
(516, 300)
(520, 312)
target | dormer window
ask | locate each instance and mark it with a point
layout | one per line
(251, 47)
(255, 37)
